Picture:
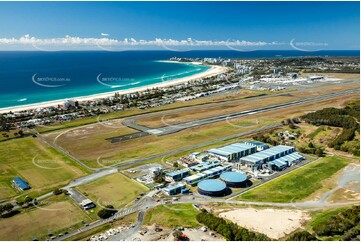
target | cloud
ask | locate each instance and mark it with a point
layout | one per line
(91, 43)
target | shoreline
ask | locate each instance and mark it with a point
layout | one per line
(214, 70)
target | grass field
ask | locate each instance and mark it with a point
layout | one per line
(93, 144)
(56, 218)
(134, 111)
(172, 215)
(43, 167)
(298, 184)
(116, 189)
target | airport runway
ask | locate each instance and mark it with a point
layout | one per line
(130, 122)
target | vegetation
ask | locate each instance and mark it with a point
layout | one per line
(107, 212)
(6, 210)
(41, 166)
(346, 223)
(311, 149)
(55, 217)
(347, 118)
(116, 189)
(159, 178)
(302, 236)
(229, 230)
(297, 184)
(172, 215)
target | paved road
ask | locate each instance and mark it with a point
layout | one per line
(130, 122)
(142, 205)
(147, 202)
(131, 231)
(114, 169)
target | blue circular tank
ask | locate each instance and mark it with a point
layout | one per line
(212, 187)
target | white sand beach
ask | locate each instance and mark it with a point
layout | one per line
(214, 70)
(275, 223)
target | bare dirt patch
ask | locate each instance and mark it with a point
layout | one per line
(275, 223)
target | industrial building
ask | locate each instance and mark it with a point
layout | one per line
(176, 189)
(87, 204)
(233, 152)
(210, 173)
(216, 171)
(20, 184)
(212, 187)
(194, 179)
(260, 146)
(205, 165)
(255, 161)
(177, 175)
(234, 179)
(285, 161)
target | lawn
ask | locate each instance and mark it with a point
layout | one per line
(56, 218)
(40, 165)
(298, 184)
(172, 215)
(116, 189)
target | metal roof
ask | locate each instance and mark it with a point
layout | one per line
(264, 154)
(177, 172)
(21, 183)
(178, 185)
(195, 176)
(231, 149)
(257, 143)
(233, 176)
(212, 185)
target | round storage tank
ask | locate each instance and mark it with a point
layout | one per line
(212, 187)
(234, 179)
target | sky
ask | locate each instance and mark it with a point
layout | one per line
(208, 25)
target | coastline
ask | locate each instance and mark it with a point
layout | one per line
(214, 70)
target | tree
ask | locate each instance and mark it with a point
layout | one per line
(158, 178)
(107, 212)
(177, 234)
(302, 236)
(319, 152)
(175, 164)
(8, 207)
(57, 191)
(28, 200)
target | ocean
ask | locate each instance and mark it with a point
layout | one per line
(29, 77)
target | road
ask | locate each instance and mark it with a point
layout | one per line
(113, 169)
(168, 129)
(141, 206)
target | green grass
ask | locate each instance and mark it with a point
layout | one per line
(55, 217)
(297, 184)
(172, 215)
(322, 217)
(40, 165)
(116, 189)
(134, 111)
(316, 131)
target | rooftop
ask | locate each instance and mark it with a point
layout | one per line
(177, 172)
(231, 149)
(233, 177)
(212, 185)
(22, 184)
(256, 157)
